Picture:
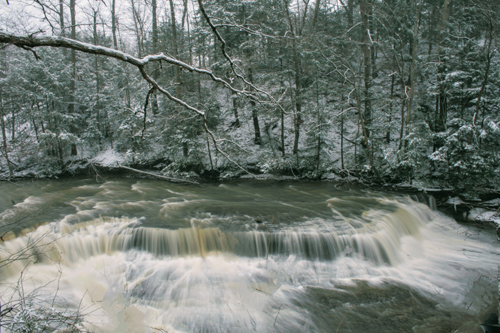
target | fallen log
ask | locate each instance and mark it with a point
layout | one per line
(175, 180)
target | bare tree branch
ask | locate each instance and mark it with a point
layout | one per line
(231, 62)
(33, 41)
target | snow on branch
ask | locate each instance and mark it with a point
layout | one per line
(28, 42)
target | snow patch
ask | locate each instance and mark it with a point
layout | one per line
(264, 176)
(494, 202)
(455, 201)
(108, 158)
(481, 214)
(332, 176)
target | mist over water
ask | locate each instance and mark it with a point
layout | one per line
(141, 255)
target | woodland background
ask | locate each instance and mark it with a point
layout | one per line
(403, 91)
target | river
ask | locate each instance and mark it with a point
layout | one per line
(140, 255)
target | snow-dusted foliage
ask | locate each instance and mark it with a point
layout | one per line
(31, 314)
(394, 91)
(466, 157)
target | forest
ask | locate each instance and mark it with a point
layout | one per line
(389, 91)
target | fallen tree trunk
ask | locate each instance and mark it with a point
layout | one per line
(175, 180)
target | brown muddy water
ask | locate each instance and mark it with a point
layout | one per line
(145, 256)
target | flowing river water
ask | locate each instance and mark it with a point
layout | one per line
(146, 256)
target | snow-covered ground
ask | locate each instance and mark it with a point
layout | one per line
(485, 215)
(109, 158)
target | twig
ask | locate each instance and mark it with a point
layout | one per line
(37, 57)
(277, 314)
(97, 175)
(340, 324)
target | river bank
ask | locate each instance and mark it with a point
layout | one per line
(479, 206)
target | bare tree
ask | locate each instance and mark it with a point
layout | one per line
(295, 30)
(113, 23)
(3, 66)
(72, 101)
(156, 73)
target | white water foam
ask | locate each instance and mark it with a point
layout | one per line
(199, 284)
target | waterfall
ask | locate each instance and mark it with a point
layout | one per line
(377, 239)
(197, 263)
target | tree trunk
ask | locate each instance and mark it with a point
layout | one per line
(234, 97)
(366, 12)
(282, 114)
(40, 112)
(342, 139)
(365, 133)
(113, 24)
(178, 92)
(441, 124)
(402, 130)
(176, 49)
(443, 111)
(156, 74)
(73, 58)
(73, 67)
(432, 32)
(4, 136)
(61, 22)
(190, 46)
(298, 103)
(315, 15)
(298, 98)
(138, 29)
(210, 154)
(98, 79)
(13, 121)
(388, 133)
(34, 123)
(373, 47)
(255, 116)
(319, 120)
(413, 60)
(485, 80)
(256, 126)
(61, 16)
(403, 103)
(350, 9)
(356, 144)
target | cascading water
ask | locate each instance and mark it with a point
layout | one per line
(145, 256)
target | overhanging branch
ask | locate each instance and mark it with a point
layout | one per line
(57, 41)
